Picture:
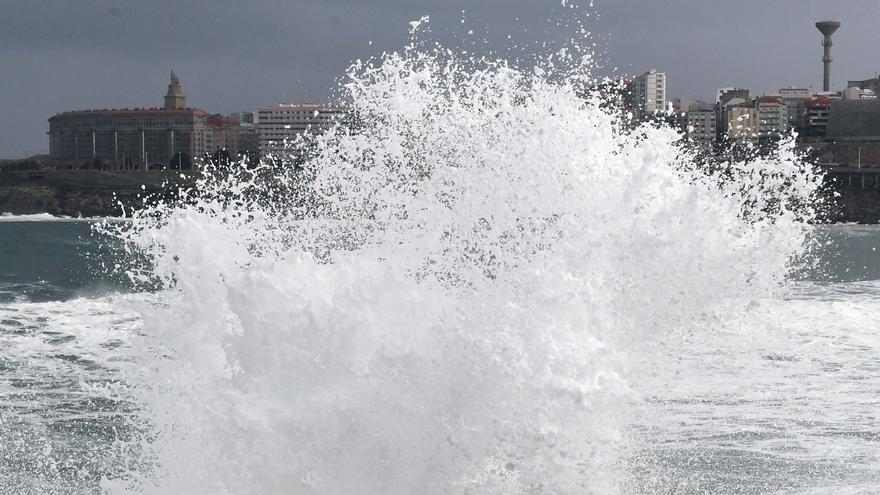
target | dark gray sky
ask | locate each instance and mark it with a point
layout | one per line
(234, 55)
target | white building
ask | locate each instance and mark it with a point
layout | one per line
(649, 90)
(282, 123)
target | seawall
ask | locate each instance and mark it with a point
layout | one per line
(854, 195)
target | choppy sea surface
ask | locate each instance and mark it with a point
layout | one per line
(784, 400)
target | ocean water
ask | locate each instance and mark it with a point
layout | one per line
(485, 282)
(782, 400)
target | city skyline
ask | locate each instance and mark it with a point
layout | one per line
(104, 54)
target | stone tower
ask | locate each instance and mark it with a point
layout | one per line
(175, 99)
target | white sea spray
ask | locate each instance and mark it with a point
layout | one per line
(437, 295)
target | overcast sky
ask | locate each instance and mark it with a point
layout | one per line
(234, 55)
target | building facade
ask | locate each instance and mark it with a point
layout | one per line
(772, 118)
(872, 84)
(130, 139)
(280, 124)
(742, 121)
(722, 114)
(794, 93)
(222, 134)
(724, 95)
(793, 98)
(245, 117)
(649, 91)
(813, 116)
(701, 125)
(857, 93)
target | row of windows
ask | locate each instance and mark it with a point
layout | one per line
(121, 122)
(283, 120)
(296, 114)
(285, 132)
(299, 113)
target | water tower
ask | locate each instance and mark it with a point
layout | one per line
(827, 28)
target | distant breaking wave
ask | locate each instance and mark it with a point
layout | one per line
(37, 217)
(46, 217)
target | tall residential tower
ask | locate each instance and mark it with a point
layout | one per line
(649, 90)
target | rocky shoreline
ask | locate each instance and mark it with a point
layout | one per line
(81, 193)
